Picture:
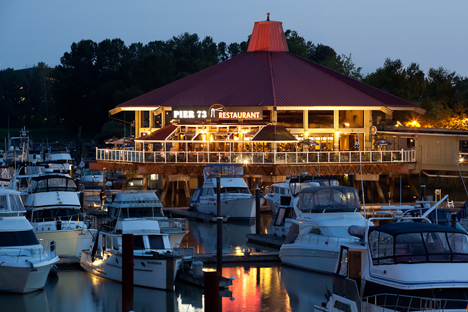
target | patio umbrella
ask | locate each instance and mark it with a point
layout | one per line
(124, 141)
(382, 142)
(307, 142)
(111, 140)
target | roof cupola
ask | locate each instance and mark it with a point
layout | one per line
(268, 36)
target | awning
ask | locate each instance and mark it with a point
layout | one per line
(158, 135)
(274, 134)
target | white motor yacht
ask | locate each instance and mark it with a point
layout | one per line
(25, 262)
(155, 262)
(323, 215)
(146, 205)
(236, 200)
(54, 210)
(281, 194)
(408, 264)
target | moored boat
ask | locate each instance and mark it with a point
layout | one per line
(155, 262)
(236, 200)
(25, 260)
(323, 215)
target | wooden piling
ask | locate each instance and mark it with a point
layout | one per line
(257, 211)
(211, 291)
(127, 272)
(219, 223)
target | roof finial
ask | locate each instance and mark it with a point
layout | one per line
(268, 17)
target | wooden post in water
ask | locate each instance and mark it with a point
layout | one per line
(127, 272)
(219, 223)
(257, 211)
(211, 291)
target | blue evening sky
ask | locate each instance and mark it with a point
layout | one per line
(429, 32)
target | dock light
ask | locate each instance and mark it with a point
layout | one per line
(246, 161)
(462, 159)
(208, 270)
(238, 251)
(346, 124)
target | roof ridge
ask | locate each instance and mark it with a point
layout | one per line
(304, 60)
(234, 60)
(272, 79)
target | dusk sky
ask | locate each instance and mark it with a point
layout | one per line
(429, 32)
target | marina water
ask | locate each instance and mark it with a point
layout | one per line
(256, 286)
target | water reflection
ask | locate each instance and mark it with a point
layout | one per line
(203, 237)
(305, 288)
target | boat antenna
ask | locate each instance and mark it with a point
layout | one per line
(456, 161)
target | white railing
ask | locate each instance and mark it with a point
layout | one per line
(288, 158)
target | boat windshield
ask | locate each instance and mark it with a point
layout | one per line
(65, 214)
(143, 212)
(18, 238)
(54, 183)
(418, 247)
(16, 204)
(237, 190)
(329, 199)
(224, 171)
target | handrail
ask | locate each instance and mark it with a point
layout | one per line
(286, 158)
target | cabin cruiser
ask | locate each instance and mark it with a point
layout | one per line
(408, 263)
(236, 200)
(54, 209)
(323, 215)
(59, 162)
(281, 194)
(25, 260)
(155, 262)
(146, 205)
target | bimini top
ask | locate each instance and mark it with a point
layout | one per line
(136, 199)
(413, 227)
(329, 199)
(417, 242)
(223, 171)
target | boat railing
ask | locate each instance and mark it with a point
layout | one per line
(251, 157)
(174, 223)
(324, 240)
(224, 196)
(402, 303)
(46, 251)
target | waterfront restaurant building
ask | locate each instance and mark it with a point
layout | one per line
(273, 111)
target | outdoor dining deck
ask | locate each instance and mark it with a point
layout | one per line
(283, 158)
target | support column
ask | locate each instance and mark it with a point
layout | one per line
(336, 132)
(367, 124)
(274, 116)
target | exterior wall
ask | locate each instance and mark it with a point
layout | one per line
(434, 152)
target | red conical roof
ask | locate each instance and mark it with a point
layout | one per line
(268, 36)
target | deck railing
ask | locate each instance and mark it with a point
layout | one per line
(286, 158)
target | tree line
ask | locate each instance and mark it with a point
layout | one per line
(93, 78)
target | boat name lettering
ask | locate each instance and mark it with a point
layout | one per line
(155, 262)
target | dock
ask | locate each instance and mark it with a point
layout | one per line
(184, 212)
(268, 240)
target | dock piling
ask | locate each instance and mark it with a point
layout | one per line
(127, 272)
(257, 211)
(219, 232)
(211, 291)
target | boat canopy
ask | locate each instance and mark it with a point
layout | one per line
(49, 183)
(417, 242)
(223, 171)
(10, 201)
(329, 199)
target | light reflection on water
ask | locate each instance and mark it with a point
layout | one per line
(255, 288)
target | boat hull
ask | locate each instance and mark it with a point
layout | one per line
(240, 208)
(313, 258)
(274, 205)
(154, 272)
(24, 279)
(69, 243)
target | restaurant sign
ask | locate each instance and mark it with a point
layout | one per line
(219, 112)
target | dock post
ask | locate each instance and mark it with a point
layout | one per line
(219, 232)
(257, 211)
(211, 291)
(127, 272)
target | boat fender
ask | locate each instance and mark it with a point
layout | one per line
(52, 246)
(59, 224)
